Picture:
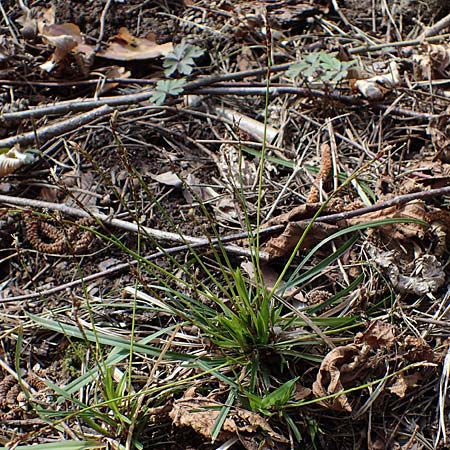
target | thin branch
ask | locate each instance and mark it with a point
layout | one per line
(78, 105)
(123, 266)
(101, 33)
(436, 28)
(56, 129)
(133, 227)
(269, 231)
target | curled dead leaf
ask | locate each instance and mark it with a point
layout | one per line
(375, 88)
(67, 39)
(126, 47)
(34, 20)
(339, 368)
(426, 274)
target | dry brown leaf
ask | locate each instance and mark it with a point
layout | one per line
(125, 47)
(281, 245)
(200, 414)
(415, 349)
(34, 20)
(301, 392)
(404, 383)
(433, 60)
(397, 231)
(338, 370)
(379, 334)
(110, 72)
(67, 39)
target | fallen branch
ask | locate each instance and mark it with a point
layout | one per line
(127, 265)
(269, 231)
(78, 105)
(56, 129)
(148, 232)
(436, 28)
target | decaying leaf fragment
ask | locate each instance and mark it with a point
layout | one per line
(192, 189)
(431, 61)
(425, 276)
(345, 366)
(281, 245)
(200, 414)
(34, 20)
(397, 231)
(404, 383)
(126, 47)
(110, 72)
(375, 88)
(415, 349)
(379, 334)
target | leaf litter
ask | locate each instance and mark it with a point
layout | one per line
(387, 102)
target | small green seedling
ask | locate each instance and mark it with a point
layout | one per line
(181, 59)
(167, 87)
(320, 66)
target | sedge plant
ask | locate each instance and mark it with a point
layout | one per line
(213, 325)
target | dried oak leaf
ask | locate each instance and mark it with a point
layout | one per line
(201, 413)
(280, 246)
(338, 370)
(125, 47)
